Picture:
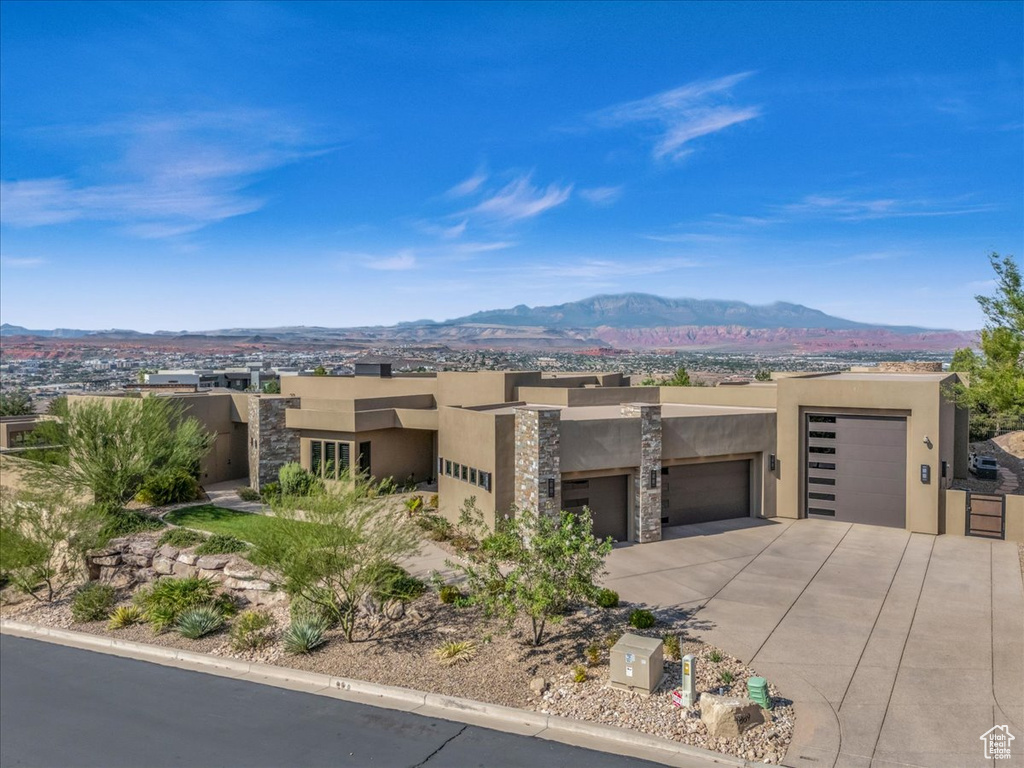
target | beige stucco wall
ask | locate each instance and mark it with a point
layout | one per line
(744, 395)
(584, 396)
(483, 440)
(920, 400)
(482, 387)
(395, 453)
(955, 518)
(354, 387)
(1015, 517)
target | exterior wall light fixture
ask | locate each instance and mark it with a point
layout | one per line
(551, 487)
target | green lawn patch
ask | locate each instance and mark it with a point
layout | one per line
(242, 525)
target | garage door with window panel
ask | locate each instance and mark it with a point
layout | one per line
(608, 502)
(856, 469)
(701, 493)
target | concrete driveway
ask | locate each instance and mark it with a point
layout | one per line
(898, 649)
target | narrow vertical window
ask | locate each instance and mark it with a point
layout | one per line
(316, 448)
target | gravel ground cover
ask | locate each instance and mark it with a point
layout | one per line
(1008, 450)
(401, 653)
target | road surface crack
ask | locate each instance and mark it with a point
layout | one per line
(443, 745)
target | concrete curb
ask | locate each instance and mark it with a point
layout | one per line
(604, 738)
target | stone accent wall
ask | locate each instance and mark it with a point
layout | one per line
(271, 443)
(647, 500)
(132, 560)
(538, 459)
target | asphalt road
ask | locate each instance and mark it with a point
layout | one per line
(66, 707)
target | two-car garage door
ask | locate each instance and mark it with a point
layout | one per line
(856, 469)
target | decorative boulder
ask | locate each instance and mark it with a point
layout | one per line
(728, 716)
(163, 565)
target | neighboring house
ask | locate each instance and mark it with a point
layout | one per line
(238, 379)
(878, 448)
(14, 430)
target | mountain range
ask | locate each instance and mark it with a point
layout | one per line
(630, 320)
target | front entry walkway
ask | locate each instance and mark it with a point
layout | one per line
(898, 649)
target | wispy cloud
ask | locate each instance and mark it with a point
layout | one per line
(847, 208)
(600, 269)
(399, 262)
(520, 199)
(21, 262)
(683, 114)
(601, 196)
(468, 186)
(173, 175)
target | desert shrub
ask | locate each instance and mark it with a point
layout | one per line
(413, 504)
(125, 522)
(434, 501)
(296, 481)
(726, 677)
(673, 649)
(593, 654)
(715, 656)
(181, 538)
(642, 619)
(245, 493)
(124, 616)
(579, 674)
(455, 651)
(194, 623)
(252, 630)
(395, 583)
(92, 602)
(163, 602)
(303, 636)
(221, 544)
(173, 486)
(270, 492)
(436, 527)
(387, 487)
(607, 598)
(612, 638)
(448, 594)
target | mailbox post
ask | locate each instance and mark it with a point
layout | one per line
(689, 681)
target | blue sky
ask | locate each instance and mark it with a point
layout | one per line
(198, 166)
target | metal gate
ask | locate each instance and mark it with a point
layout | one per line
(986, 515)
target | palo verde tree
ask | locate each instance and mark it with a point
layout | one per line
(333, 548)
(996, 372)
(536, 566)
(112, 447)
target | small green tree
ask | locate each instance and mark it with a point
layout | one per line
(536, 565)
(272, 388)
(15, 402)
(763, 374)
(113, 446)
(996, 373)
(335, 561)
(296, 481)
(681, 378)
(43, 538)
(319, 371)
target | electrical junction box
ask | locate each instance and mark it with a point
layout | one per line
(637, 664)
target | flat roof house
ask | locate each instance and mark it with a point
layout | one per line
(866, 447)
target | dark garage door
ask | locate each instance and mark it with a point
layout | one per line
(606, 497)
(857, 469)
(700, 493)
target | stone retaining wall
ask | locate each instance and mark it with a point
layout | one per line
(138, 559)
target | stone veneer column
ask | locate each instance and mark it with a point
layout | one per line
(271, 443)
(538, 452)
(647, 500)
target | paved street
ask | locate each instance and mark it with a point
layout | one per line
(898, 649)
(67, 707)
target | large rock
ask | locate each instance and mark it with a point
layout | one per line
(164, 565)
(107, 560)
(182, 570)
(145, 547)
(248, 584)
(211, 562)
(139, 561)
(188, 558)
(538, 685)
(727, 717)
(168, 551)
(212, 575)
(239, 569)
(118, 578)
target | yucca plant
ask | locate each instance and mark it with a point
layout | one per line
(125, 616)
(303, 636)
(455, 651)
(194, 623)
